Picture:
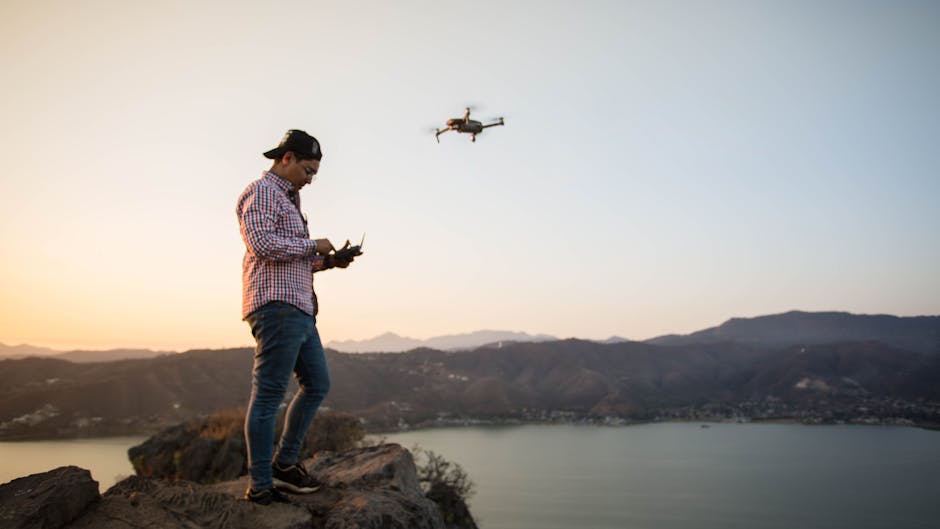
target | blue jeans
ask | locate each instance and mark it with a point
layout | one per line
(287, 341)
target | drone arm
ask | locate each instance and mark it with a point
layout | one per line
(500, 122)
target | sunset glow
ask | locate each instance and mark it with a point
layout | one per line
(664, 166)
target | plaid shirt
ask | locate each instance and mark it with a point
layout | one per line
(280, 257)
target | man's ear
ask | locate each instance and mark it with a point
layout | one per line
(287, 158)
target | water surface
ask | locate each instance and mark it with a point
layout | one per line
(656, 476)
(670, 476)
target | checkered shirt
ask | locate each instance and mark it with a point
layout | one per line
(280, 257)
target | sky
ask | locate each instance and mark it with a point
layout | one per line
(665, 165)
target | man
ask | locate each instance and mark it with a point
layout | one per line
(279, 304)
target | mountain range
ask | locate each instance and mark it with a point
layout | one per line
(393, 343)
(50, 397)
(919, 334)
(386, 343)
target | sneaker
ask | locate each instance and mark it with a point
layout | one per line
(294, 478)
(266, 496)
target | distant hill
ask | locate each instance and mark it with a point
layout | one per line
(23, 350)
(388, 342)
(110, 355)
(45, 397)
(393, 343)
(849, 369)
(920, 334)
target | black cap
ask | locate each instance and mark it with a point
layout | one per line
(305, 146)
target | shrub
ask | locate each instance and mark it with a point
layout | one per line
(435, 472)
(446, 484)
(334, 431)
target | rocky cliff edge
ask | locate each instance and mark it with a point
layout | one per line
(368, 488)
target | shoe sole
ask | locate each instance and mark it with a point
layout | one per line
(265, 500)
(294, 488)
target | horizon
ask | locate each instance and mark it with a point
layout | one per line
(455, 334)
(664, 166)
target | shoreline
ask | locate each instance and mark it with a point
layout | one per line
(702, 421)
(477, 422)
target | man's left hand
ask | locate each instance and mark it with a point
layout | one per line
(341, 262)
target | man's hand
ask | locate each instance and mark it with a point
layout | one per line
(342, 262)
(324, 246)
(340, 258)
(336, 261)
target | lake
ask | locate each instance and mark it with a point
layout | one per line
(679, 475)
(654, 476)
(106, 458)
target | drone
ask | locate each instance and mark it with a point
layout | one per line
(466, 125)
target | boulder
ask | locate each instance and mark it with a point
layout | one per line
(387, 465)
(380, 489)
(194, 451)
(49, 500)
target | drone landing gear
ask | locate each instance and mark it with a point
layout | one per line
(473, 137)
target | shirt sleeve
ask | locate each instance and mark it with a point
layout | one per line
(319, 263)
(257, 213)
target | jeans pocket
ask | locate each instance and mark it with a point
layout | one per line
(269, 319)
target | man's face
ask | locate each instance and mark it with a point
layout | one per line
(299, 172)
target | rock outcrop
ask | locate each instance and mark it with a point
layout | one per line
(368, 488)
(48, 500)
(212, 449)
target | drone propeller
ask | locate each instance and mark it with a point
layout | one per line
(472, 109)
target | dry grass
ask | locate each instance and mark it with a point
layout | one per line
(224, 424)
(331, 430)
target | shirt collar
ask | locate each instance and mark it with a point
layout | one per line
(279, 181)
